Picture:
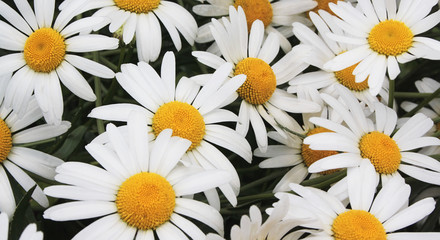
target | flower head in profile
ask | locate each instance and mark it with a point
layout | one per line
(369, 216)
(194, 113)
(42, 55)
(325, 49)
(140, 20)
(277, 16)
(253, 227)
(388, 150)
(30, 232)
(384, 35)
(16, 159)
(138, 192)
(252, 55)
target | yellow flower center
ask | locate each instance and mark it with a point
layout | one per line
(347, 79)
(382, 151)
(145, 200)
(256, 9)
(390, 38)
(137, 6)
(185, 120)
(5, 141)
(44, 50)
(359, 225)
(260, 82)
(310, 156)
(323, 5)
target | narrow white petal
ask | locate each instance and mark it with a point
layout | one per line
(90, 66)
(90, 43)
(187, 226)
(77, 193)
(118, 112)
(200, 182)
(97, 228)
(421, 174)
(75, 82)
(11, 62)
(79, 210)
(341, 160)
(7, 201)
(410, 215)
(169, 231)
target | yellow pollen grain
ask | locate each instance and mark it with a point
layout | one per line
(137, 6)
(390, 38)
(359, 225)
(310, 156)
(260, 81)
(5, 141)
(145, 200)
(185, 121)
(382, 151)
(44, 50)
(323, 5)
(256, 9)
(346, 78)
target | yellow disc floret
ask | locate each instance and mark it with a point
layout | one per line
(359, 225)
(145, 200)
(382, 151)
(260, 81)
(137, 6)
(256, 9)
(185, 121)
(347, 79)
(390, 38)
(44, 50)
(323, 5)
(5, 141)
(310, 156)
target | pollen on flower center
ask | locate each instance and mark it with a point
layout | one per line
(5, 141)
(185, 120)
(359, 225)
(145, 200)
(347, 79)
(310, 156)
(256, 9)
(382, 151)
(323, 5)
(390, 38)
(44, 50)
(137, 6)
(260, 82)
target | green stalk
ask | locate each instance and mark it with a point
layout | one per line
(98, 93)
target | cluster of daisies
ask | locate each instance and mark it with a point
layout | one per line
(283, 109)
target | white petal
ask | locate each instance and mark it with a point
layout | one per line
(79, 210)
(90, 43)
(200, 182)
(75, 82)
(341, 160)
(410, 215)
(90, 66)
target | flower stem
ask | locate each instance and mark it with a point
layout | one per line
(423, 103)
(98, 93)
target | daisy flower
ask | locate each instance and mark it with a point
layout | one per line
(192, 112)
(290, 151)
(138, 194)
(253, 227)
(389, 152)
(14, 158)
(325, 49)
(252, 56)
(277, 16)
(30, 232)
(384, 35)
(42, 55)
(140, 20)
(369, 216)
(427, 85)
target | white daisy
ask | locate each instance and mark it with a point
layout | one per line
(29, 233)
(15, 158)
(324, 49)
(192, 112)
(384, 35)
(42, 55)
(369, 216)
(427, 85)
(140, 19)
(277, 16)
(253, 227)
(139, 192)
(387, 151)
(252, 57)
(292, 152)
